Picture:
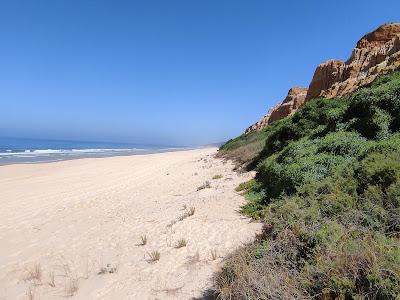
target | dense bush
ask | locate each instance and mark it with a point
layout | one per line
(328, 191)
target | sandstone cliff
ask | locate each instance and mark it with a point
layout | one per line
(377, 53)
(294, 99)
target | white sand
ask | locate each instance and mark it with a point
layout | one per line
(70, 219)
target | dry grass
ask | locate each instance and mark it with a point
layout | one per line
(243, 155)
(172, 223)
(143, 240)
(205, 185)
(30, 293)
(34, 274)
(214, 255)
(219, 176)
(154, 256)
(71, 286)
(51, 281)
(192, 260)
(248, 274)
(189, 212)
(170, 292)
(181, 243)
(108, 269)
(182, 217)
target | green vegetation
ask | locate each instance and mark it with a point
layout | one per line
(244, 149)
(328, 191)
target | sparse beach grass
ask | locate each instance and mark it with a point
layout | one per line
(34, 274)
(213, 253)
(181, 243)
(143, 240)
(205, 185)
(154, 256)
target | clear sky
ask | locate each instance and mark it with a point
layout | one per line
(165, 72)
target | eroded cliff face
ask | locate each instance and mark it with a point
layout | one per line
(294, 99)
(377, 53)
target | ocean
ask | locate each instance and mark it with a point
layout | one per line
(22, 150)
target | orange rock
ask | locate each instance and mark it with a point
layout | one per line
(377, 53)
(294, 99)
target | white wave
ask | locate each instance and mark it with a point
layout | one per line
(48, 151)
(40, 152)
(104, 150)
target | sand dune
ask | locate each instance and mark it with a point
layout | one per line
(73, 228)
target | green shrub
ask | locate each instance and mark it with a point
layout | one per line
(375, 112)
(379, 169)
(343, 143)
(298, 164)
(328, 190)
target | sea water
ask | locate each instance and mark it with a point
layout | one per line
(25, 150)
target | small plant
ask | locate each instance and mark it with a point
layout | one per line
(154, 256)
(109, 269)
(182, 217)
(143, 240)
(214, 255)
(219, 176)
(191, 210)
(51, 281)
(30, 293)
(34, 274)
(244, 186)
(192, 260)
(181, 243)
(205, 185)
(172, 223)
(71, 286)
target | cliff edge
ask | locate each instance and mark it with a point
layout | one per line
(376, 53)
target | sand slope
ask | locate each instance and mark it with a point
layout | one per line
(63, 224)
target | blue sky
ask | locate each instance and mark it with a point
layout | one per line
(164, 72)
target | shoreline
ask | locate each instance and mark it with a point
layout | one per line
(68, 157)
(79, 225)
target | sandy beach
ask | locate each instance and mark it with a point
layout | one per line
(77, 228)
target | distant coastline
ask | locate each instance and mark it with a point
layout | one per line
(25, 151)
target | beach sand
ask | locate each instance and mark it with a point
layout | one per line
(73, 228)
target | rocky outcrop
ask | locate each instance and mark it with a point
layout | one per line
(377, 53)
(294, 99)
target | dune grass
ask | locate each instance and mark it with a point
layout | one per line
(143, 240)
(154, 256)
(181, 243)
